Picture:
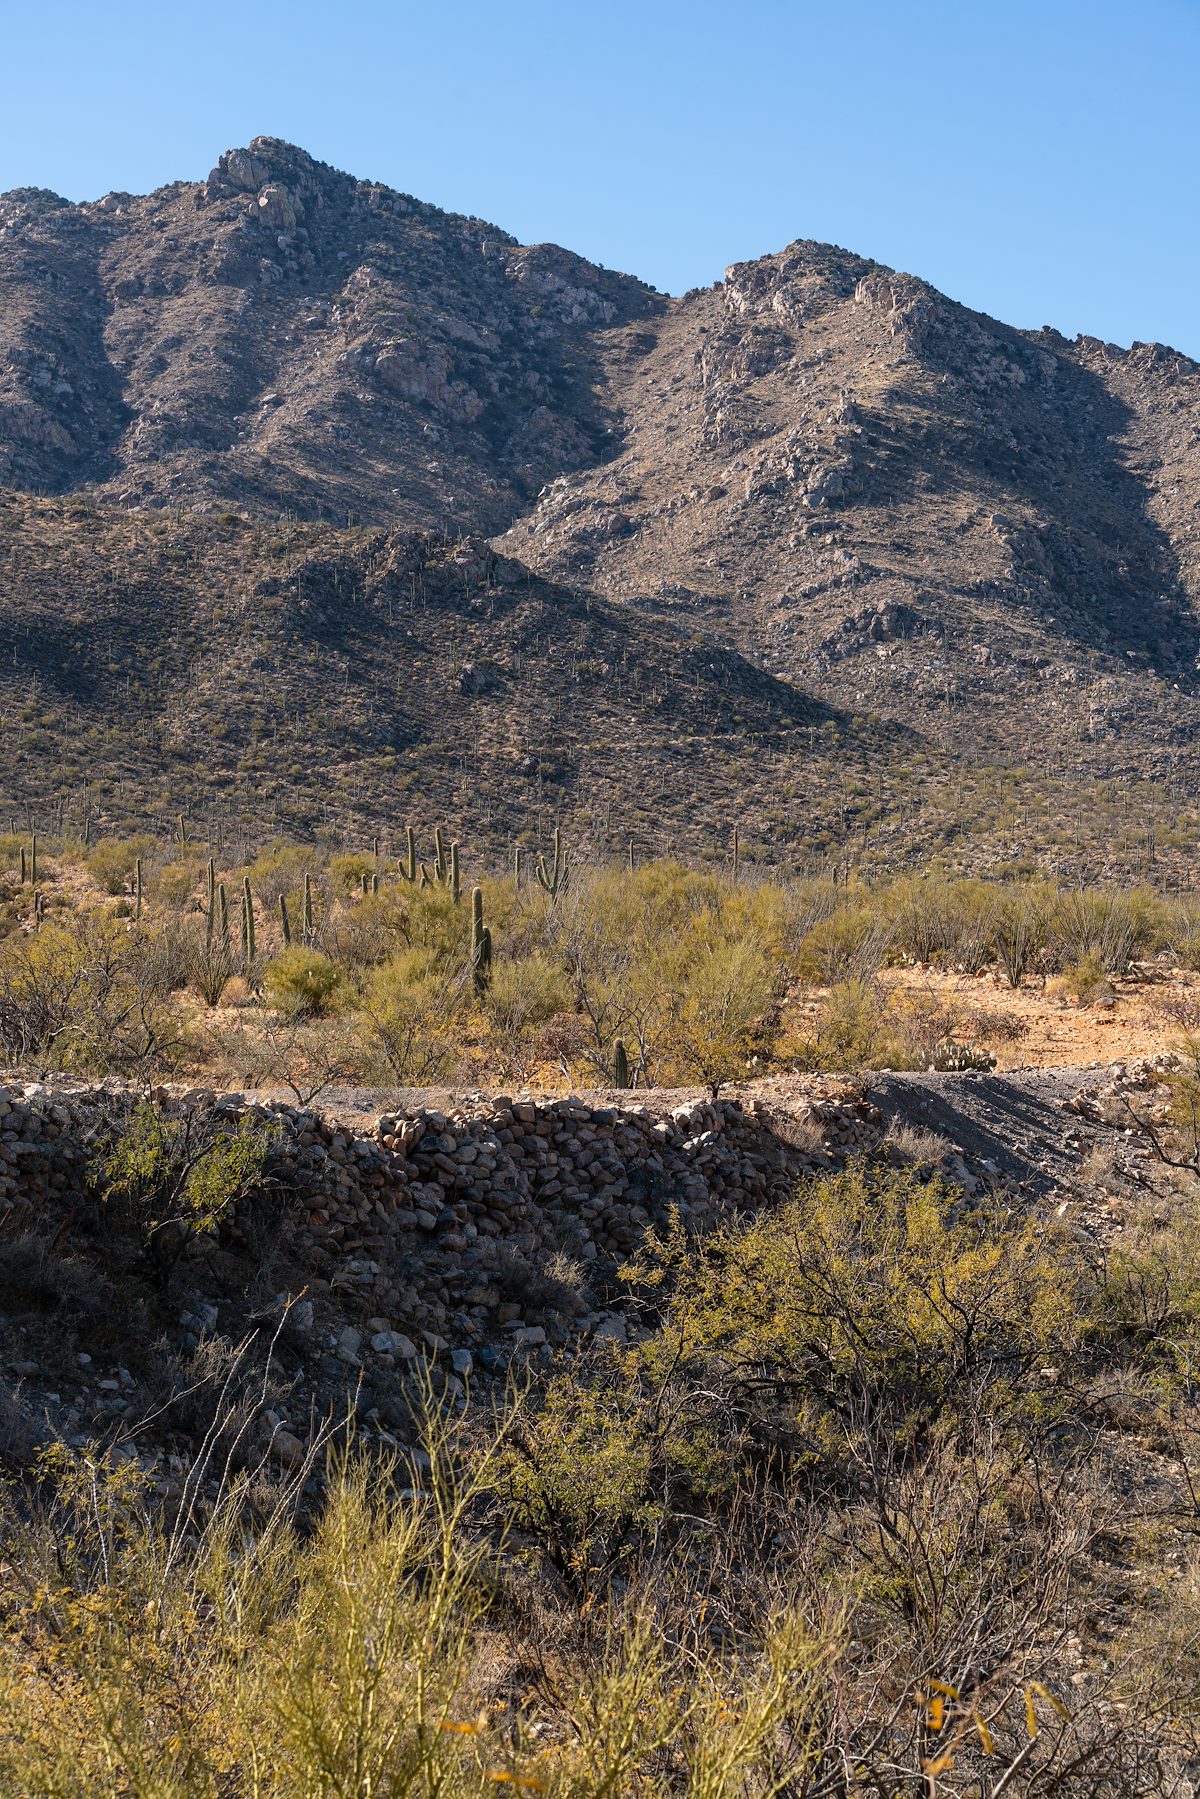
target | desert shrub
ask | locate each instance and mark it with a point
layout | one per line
(935, 921)
(606, 1456)
(1107, 924)
(413, 1012)
(873, 1288)
(112, 861)
(280, 870)
(1023, 916)
(922, 1024)
(347, 872)
(360, 937)
(173, 1179)
(718, 1030)
(84, 996)
(852, 1030)
(302, 982)
(427, 919)
(995, 1024)
(521, 995)
(848, 945)
(1181, 935)
(1084, 979)
(177, 883)
(363, 1651)
(211, 965)
(303, 1054)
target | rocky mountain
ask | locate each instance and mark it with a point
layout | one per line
(249, 425)
(282, 337)
(905, 505)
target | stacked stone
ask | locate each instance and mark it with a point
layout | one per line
(427, 1217)
(42, 1144)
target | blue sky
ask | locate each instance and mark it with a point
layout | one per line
(1038, 161)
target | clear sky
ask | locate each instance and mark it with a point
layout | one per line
(1038, 159)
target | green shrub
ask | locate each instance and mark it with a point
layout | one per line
(851, 944)
(524, 993)
(178, 883)
(281, 870)
(111, 863)
(174, 1179)
(414, 1011)
(302, 982)
(347, 872)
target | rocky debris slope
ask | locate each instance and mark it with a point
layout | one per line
(1009, 1130)
(450, 1246)
(431, 1245)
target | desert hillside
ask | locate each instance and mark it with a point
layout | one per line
(817, 492)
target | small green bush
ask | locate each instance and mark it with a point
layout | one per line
(346, 872)
(112, 861)
(302, 982)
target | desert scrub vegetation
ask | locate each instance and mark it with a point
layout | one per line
(143, 958)
(836, 1520)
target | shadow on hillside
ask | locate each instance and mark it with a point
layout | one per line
(1099, 566)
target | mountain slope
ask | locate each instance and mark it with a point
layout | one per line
(283, 337)
(904, 504)
(295, 678)
(885, 566)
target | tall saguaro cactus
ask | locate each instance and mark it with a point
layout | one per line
(306, 916)
(409, 870)
(211, 921)
(247, 927)
(553, 875)
(481, 946)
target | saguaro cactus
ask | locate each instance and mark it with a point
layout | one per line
(553, 877)
(620, 1065)
(518, 859)
(409, 871)
(481, 945)
(223, 914)
(285, 923)
(247, 926)
(306, 916)
(439, 856)
(455, 878)
(210, 923)
(33, 858)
